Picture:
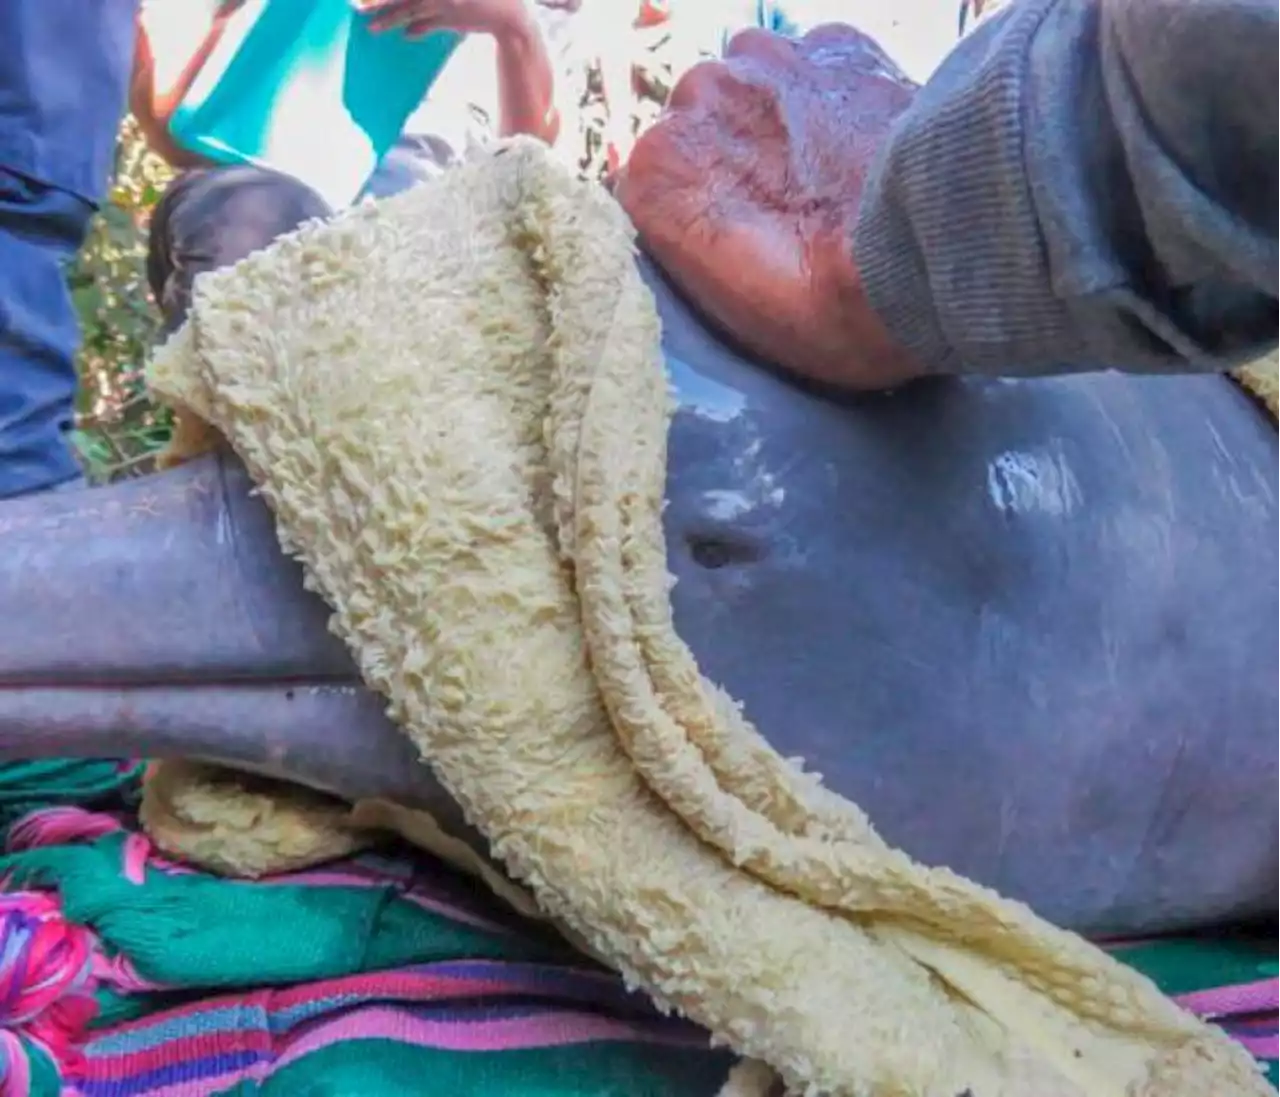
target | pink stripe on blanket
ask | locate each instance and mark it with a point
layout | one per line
(506, 1034)
(1256, 997)
(272, 1002)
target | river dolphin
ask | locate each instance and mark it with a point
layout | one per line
(1029, 626)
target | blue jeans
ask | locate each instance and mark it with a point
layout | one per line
(64, 69)
(41, 228)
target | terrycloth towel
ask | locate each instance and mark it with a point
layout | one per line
(1261, 379)
(454, 403)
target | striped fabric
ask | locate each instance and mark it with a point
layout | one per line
(429, 984)
(477, 1029)
(390, 974)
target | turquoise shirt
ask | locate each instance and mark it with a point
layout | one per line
(305, 88)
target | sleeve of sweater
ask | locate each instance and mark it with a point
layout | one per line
(1083, 185)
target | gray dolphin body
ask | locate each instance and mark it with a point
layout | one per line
(1029, 627)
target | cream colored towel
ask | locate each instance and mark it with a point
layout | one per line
(1262, 379)
(454, 402)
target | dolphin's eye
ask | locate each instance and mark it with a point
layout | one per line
(713, 551)
(710, 554)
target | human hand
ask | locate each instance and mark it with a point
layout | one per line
(170, 51)
(746, 193)
(421, 17)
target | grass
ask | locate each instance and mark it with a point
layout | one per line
(118, 429)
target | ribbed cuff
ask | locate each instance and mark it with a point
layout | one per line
(947, 242)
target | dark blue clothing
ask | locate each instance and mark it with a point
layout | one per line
(64, 72)
(64, 76)
(41, 228)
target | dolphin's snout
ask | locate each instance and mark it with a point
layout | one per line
(157, 618)
(170, 577)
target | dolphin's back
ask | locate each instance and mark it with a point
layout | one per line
(1005, 617)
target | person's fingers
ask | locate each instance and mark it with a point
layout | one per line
(856, 47)
(676, 202)
(728, 101)
(660, 183)
(763, 47)
(388, 14)
(698, 85)
(420, 28)
(835, 34)
(720, 153)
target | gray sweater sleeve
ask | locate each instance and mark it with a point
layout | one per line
(1085, 184)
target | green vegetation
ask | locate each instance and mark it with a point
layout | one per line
(118, 429)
